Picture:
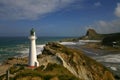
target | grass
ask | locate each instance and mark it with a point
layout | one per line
(52, 71)
(15, 69)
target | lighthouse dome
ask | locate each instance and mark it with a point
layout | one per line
(32, 32)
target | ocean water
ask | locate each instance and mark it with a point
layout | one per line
(19, 46)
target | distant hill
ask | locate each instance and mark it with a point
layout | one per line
(91, 34)
(107, 39)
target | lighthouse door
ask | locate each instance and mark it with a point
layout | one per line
(36, 64)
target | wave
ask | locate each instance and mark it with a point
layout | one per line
(18, 51)
(25, 51)
(68, 43)
(40, 49)
(72, 43)
(112, 58)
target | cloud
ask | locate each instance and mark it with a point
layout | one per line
(106, 27)
(30, 9)
(109, 27)
(117, 10)
(97, 4)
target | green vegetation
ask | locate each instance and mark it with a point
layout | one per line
(15, 69)
(52, 71)
(3, 77)
(27, 73)
(112, 39)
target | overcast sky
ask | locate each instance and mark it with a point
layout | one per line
(58, 17)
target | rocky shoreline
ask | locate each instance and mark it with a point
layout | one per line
(73, 60)
(108, 56)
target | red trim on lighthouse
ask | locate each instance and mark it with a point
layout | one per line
(31, 66)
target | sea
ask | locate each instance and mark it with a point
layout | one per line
(19, 46)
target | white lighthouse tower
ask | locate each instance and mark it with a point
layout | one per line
(32, 51)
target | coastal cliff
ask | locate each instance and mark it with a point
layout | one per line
(77, 63)
(58, 62)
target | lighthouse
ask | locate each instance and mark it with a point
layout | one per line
(32, 51)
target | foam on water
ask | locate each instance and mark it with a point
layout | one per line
(109, 58)
(114, 68)
(25, 51)
(68, 43)
(40, 49)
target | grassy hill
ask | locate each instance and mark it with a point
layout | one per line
(51, 72)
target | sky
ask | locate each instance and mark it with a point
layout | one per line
(58, 17)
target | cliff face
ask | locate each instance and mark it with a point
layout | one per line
(77, 63)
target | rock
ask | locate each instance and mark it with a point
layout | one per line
(91, 32)
(92, 35)
(78, 63)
